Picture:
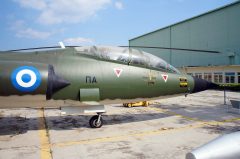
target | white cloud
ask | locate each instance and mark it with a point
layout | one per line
(34, 4)
(119, 5)
(64, 11)
(78, 41)
(22, 31)
(32, 34)
(17, 25)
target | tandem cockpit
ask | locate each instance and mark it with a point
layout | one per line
(128, 56)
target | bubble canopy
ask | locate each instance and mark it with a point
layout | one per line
(128, 56)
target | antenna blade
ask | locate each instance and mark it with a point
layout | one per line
(62, 45)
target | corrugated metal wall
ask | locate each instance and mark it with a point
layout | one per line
(217, 30)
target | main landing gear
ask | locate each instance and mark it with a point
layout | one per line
(96, 121)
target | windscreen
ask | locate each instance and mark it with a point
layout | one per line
(127, 55)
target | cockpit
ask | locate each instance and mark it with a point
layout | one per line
(128, 56)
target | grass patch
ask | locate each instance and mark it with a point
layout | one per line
(229, 86)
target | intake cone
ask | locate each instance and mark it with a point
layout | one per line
(55, 83)
(223, 147)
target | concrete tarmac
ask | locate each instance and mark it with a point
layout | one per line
(168, 129)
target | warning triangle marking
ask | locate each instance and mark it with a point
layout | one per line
(118, 71)
(165, 77)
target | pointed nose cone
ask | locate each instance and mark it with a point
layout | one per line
(202, 85)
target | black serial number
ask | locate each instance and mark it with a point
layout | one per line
(91, 79)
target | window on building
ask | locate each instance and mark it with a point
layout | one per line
(198, 75)
(230, 77)
(208, 76)
(218, 77)
(238, 77)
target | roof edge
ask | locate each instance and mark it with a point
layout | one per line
(211, 11)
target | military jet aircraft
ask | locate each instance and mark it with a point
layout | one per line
(94, 76)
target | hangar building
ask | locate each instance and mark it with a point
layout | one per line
(216, 30)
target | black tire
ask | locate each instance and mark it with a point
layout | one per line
(93, 122)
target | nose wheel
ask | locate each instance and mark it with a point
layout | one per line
(96, 121)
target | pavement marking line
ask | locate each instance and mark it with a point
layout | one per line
(175, 114)
(123, 137)
(45, 149)
(199, 124)
(212, 123)
(193, 119)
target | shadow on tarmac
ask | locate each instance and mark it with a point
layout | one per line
(19, 125)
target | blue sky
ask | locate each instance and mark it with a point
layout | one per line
(34, 23)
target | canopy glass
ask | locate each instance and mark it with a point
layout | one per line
(127, 55)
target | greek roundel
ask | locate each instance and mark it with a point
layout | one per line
(26, 78)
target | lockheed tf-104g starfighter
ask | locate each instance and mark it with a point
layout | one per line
(94, 76)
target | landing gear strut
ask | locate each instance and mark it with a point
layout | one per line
(96, 121)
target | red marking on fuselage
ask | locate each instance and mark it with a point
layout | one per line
(118, 71)
(165, 77)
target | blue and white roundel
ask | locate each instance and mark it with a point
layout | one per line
(26, 78)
